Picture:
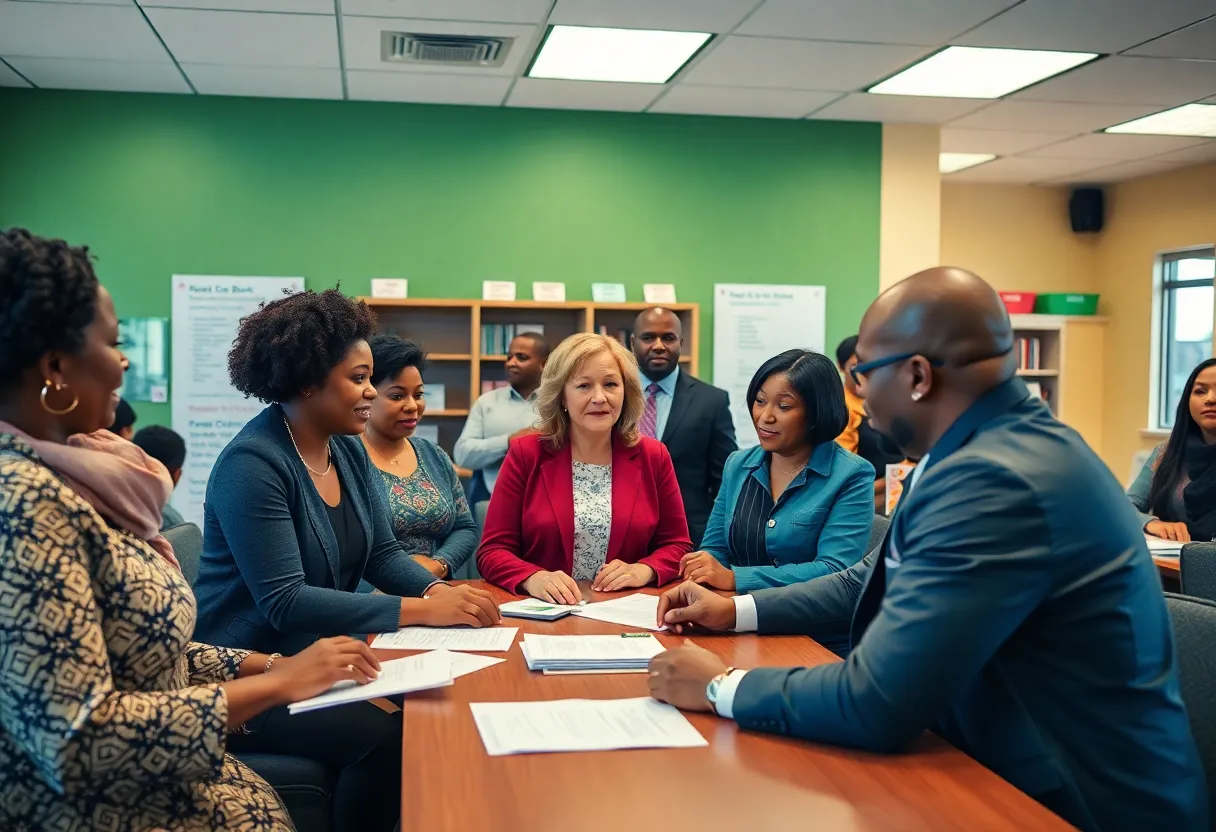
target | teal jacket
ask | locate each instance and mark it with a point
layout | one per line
(819, 525)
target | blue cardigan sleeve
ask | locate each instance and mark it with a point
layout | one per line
(251, 503)
(460, 540)
(842, 540)
(1139, 490)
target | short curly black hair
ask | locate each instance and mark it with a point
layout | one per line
(391, 354)
(293, 342)
(48, 298)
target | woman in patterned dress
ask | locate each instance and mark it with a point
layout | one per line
(110, 717)
(587, 498)
(431, 517)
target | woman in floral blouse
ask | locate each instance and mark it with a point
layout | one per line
(431, 517)
(110, 717)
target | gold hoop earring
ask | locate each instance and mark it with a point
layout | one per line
(46, 388)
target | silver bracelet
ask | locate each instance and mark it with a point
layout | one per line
(270, 661)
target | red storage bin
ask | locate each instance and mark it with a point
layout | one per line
(1018, 303)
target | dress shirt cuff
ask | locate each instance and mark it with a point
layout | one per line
(747, 619)
(725, 705)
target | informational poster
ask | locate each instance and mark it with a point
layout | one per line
(754, 322)
(207, 411)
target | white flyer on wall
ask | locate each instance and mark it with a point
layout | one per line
(754, 322)
(207, 410)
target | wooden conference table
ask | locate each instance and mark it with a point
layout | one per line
(742, 782)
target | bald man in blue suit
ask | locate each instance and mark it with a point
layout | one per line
(1013, 608)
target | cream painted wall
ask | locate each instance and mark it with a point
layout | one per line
(911, 202)
(1017, 238)
(1144, 217)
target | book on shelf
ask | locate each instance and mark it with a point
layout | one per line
(622, 335)
(436, 396)
(1029, 352)
(496, 338)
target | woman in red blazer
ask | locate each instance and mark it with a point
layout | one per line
(585, 497)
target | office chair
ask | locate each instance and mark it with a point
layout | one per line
(1194, 621)
(187, 543)
(1198, 567)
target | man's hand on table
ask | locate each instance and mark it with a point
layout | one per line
(692, 604)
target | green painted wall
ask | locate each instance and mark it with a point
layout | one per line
(444, 196)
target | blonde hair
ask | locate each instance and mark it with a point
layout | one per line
(564, 362)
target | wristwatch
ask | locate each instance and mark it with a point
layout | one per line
(714, 688)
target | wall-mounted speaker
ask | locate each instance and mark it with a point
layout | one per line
(1086, 210)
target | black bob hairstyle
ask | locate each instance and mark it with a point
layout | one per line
(292, 343)
(1173, 461)
(391, 354)
(815, 380)
(846, 350)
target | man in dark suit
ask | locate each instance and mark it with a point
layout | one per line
(690, 417)
(1013, 607)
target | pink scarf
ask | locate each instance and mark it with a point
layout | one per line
(121, 482)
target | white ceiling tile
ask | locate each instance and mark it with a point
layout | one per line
(427, 88)
(1198, 41)
(582, 95)
(798, 64)
(8, 78)
(1021, 170)
(1120, 80)
(125, 76)
(1086, 25)
(361, 40)
(265, 81)
(1114, 173)
(1195, 155)
(56, 30)
(1122, 147)
(899, 109)
(872, 21)
(1000, 142)
(285, 6)
(494, 11)
(674, 15)
(740, 101)
(1047, 116)
(87, 2)
(248, 38)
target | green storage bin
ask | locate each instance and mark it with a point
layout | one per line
(1061, 303)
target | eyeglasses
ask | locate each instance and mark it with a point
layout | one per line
(859, 370)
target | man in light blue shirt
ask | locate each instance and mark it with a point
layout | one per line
(499, 416)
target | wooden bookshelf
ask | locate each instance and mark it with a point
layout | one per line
(450, 331)
(1072, 353)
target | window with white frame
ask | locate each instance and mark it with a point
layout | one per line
(1186, 309)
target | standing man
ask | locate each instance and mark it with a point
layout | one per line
(1013, 607)
(687, 415)
(502, 414)
(845, 359)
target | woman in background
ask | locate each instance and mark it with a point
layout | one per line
(1175, 491)
(797, 506)
(585, 498)
(429, 513)
(114, 718)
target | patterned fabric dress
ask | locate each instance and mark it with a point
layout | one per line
(110, 717)
(422, 512)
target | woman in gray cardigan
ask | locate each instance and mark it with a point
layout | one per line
(426, 501)
(295, 518)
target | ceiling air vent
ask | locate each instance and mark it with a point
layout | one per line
(443, 50)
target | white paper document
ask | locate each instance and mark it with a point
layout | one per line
(1163, 548)
(465, 663)
(413, 673)
(623, 651)
(581, 725)
(637, 610)
(523, 648)
(488, 640)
